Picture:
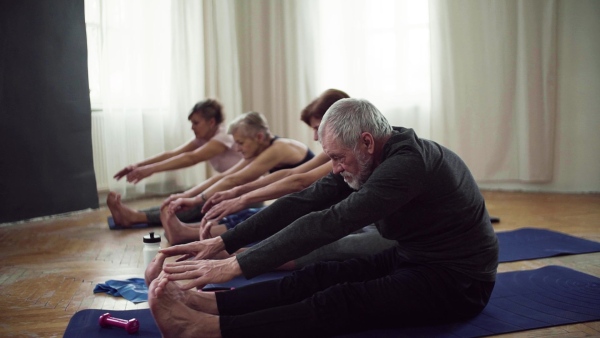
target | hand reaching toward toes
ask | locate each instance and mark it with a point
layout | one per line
(200, 249)
(171, 198)
(217, 198)
(202, 272)
(225, 208)
(182, 204)
(205, 227)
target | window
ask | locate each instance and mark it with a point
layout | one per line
(378, 49)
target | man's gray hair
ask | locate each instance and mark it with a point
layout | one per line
(347, 119)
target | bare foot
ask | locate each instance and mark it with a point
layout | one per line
(176, 231)
(122, 214)
(200, 301)
(218, 230)
(174, 318)
(154, 268)
(203, 301)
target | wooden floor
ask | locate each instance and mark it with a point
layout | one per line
(49, 268)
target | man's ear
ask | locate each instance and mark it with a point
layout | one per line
(368, 141)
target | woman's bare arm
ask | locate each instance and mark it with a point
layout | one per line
(206, 152)
(184, 148)
(280, 188)
(264, 181)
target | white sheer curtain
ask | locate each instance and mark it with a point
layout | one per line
(205, 64)
(476, 76)
(277, 62)
(487, 89)
(158, 59)
(134, 82)
(494, 86)
(378, 50)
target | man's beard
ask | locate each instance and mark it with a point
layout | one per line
(365, 168)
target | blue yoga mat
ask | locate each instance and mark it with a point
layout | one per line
(522, 300)
(84, 323)
(532, 243)
(241, 281)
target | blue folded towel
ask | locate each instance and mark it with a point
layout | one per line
(132, 289)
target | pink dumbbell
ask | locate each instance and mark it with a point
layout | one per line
(131, 326)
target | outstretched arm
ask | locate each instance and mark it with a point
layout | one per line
(280, 188)
(265, 181)
(264, 162)
(286, 186)
(206, 152)
(193, 196)
(184, 148)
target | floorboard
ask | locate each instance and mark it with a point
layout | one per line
(49, 267)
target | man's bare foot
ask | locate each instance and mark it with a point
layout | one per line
(122, 214)
(174, 318)
(200, 301)
(154, 268)
(218, 230)
(203, 301)
(176, 231)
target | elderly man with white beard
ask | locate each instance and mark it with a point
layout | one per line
(417, 193)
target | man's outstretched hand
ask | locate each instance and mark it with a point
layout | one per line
(202, 272)
(199, 250)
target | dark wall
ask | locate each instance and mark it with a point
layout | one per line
(46, 163)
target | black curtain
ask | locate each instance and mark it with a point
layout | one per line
(46, 163)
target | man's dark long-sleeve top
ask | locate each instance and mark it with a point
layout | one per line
(421, 195)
